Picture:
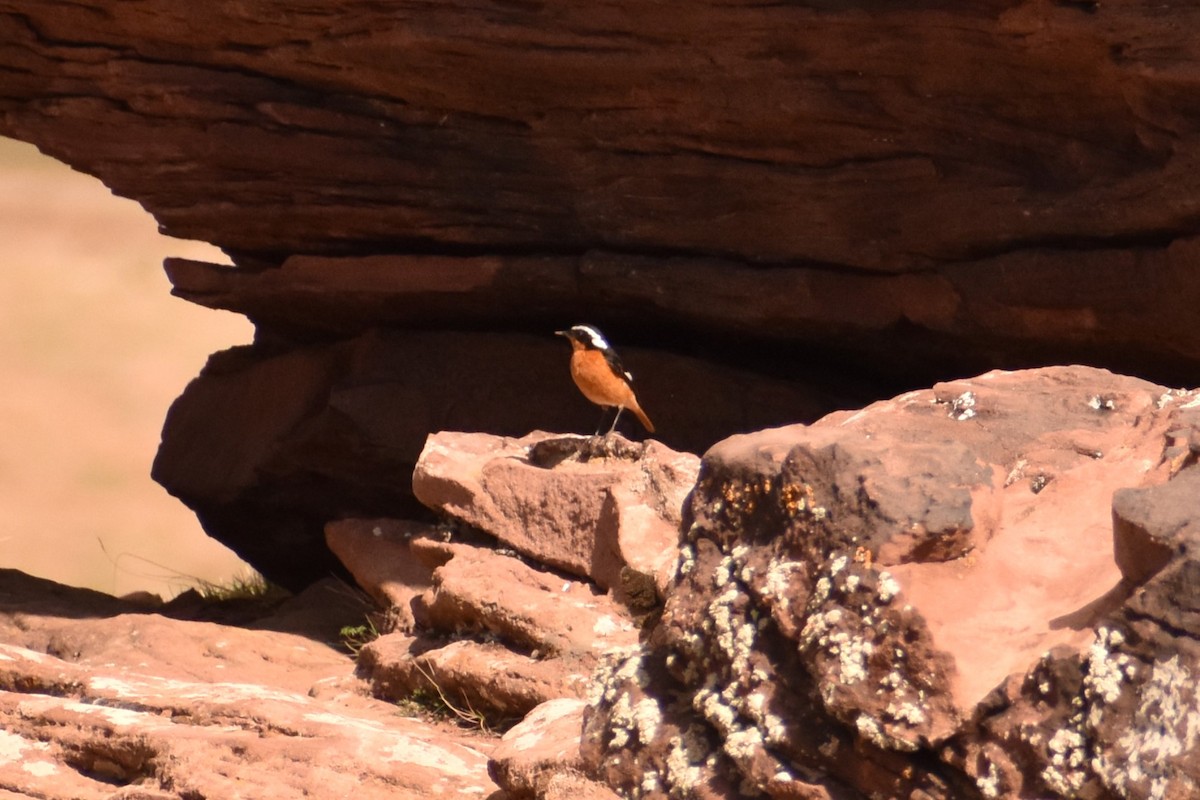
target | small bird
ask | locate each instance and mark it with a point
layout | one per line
(599, 375)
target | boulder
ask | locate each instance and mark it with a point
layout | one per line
(592, 507)
(922, 599)
(540, 756)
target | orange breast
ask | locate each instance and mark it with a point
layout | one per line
(596, 380)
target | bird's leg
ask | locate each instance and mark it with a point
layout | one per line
(613, 427)
(600, 424)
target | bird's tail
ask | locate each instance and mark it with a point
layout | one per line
(641, 415)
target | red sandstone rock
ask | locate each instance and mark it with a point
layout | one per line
(853, 592)
(518, 635)
(481, 591)
(771, 134)
(591, 507)
(540, 757)
(931, 188)
(484, 682)
(968, 315)
(99, 707)
(267, 448)
(378, 554)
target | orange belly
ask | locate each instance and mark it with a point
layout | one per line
(596, 379)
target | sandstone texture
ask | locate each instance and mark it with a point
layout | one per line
(937, 596)
(590, 507)
(488, 633)
(551, 551)
(380, 556)
(98, 701)
(540, 757)
(721, 129)
(925, 189)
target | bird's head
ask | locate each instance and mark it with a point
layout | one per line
(585, 337)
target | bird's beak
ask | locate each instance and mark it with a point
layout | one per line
(563, 333)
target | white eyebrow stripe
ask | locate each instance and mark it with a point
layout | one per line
(598, 339)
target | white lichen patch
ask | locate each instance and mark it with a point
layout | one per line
(683, 761)
(714, 709)
(1165, 728)
(852, 656)
(989, 782)
(605, 626)
(743, 745)
(620, 721)
(722, 573)
(817, 627)
(1065, 773)
(778, 582)
(647, 717)
(776, 731)
(633, 668)
(615, 667)
(910, 713)
(822, 589)
(1106, 671)
(1191, 396)
(650, 781)
(874, 731)
(962, 408)
(1016, 473)
(889, 587)
(869, 729)
(754, 705)
(687, 560)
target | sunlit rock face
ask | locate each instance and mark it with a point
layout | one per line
(923, 598)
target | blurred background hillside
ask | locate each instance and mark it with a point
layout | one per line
(93, 349)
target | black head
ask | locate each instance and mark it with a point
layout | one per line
(587, 337)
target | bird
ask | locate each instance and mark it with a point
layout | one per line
(598, 373)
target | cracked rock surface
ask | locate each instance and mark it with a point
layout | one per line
(99, 701)
(921, 599)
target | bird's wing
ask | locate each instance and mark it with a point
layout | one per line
(614, 362)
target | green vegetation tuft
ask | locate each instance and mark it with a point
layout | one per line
(249, 585)
(355, 637)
